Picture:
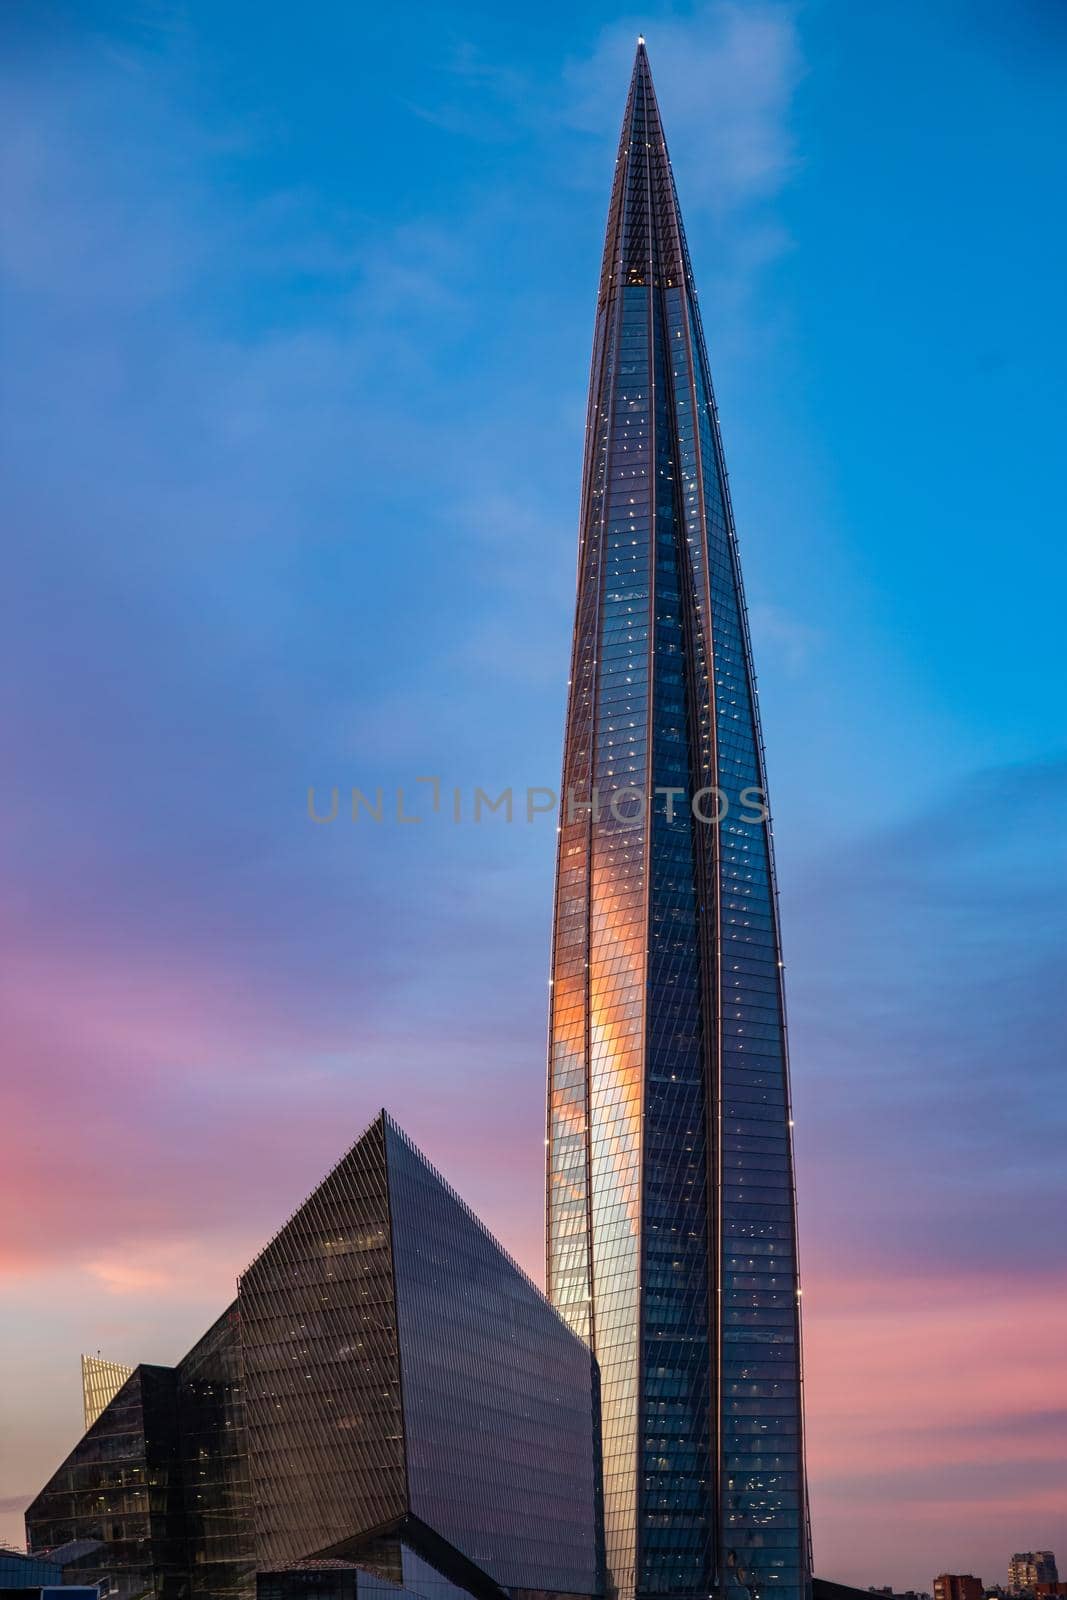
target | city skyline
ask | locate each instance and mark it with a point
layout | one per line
(250, 271)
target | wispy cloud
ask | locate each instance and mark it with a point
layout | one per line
(174, 1268)
(931, 1396)
(479, 98)
(777, 633)
(928, 1028)
(220, 523)
(923, 963)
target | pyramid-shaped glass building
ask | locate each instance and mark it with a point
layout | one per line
(390, 1405)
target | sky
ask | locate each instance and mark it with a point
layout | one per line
(297, 314)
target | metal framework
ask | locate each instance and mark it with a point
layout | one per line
(101, 1382)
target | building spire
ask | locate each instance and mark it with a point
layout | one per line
(644, 243)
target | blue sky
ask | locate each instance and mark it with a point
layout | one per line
(296, 339)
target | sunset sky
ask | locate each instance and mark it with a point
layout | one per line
(298, 304)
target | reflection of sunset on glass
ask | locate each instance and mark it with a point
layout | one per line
(297, 319)
(677, 1257)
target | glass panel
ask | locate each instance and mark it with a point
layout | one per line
(499, 1398)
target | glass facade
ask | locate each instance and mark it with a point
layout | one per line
(321, 1368)
(339, 1580)
(498, 1395)
(213, 1450)
(412, 1401)
(346, 1580)
(389, 1404)
(119, 1491)
(671, 1216)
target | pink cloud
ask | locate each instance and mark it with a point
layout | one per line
(936, 1409)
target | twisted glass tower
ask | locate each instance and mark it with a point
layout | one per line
(671, 1214)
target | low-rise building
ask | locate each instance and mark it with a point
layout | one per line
(40, 1577)
(958, 1586)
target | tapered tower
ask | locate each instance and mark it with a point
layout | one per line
(671, 1213)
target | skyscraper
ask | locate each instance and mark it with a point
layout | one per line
(671, 1214)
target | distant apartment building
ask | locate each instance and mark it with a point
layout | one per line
(1028, 1568)
(958, 1586)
